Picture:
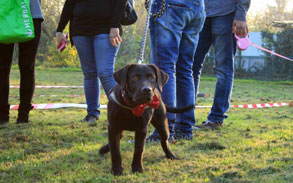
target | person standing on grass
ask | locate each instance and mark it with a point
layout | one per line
(174, 38)
(96, 33)
(26, 62)
(223, 20)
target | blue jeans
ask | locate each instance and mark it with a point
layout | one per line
(173, 42)
(97, 58)
(217, 31)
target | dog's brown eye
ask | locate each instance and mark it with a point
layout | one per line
(151, 78)
(135, 78)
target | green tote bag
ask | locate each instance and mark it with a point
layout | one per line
(16, 23)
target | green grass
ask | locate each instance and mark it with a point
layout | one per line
(253, 146)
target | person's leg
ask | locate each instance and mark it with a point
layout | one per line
(85, 49)
(225, 48)
(204, 43)
(185, 86)
(165, 41)
(105, 55)
(27, 58)
(6, 52)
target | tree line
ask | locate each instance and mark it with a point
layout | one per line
(273, 37)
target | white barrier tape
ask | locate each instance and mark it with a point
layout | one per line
(58, 106)
(76, 96)
(51, 86)
(257, 106)
(66, 105)
(69, 96)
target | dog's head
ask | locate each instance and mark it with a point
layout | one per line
(140, 80)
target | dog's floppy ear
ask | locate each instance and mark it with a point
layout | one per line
(120, 76)
(162, 77)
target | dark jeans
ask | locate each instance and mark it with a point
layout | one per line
(173, 39)
(217, 31)
(26, 62)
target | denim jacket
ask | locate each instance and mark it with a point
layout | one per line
(35, 7)
(223, 7)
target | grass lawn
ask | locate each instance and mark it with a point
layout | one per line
(255, 145)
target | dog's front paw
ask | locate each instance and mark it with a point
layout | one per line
(137, 169)
(171, 156)
(117, 171)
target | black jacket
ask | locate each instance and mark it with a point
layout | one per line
(91, 17)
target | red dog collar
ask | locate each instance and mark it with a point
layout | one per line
(139, 110)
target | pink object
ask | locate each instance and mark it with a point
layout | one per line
(242, 43)
(271, 52)
(62, 46)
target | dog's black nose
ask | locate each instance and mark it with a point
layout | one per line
(146, 89)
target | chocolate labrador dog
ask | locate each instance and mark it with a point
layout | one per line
(133, 104)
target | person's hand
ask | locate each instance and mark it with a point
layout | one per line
(60, 38)
(240, 28)
(115, 38)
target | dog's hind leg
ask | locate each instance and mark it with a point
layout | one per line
(140, 136)
(105, 149)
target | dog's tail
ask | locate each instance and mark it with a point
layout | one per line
(105, 149)
(179, 109)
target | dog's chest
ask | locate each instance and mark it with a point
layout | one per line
(126, 120)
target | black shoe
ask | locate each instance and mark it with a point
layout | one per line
(208, 125)
(4, 120)
(4, 114)
(155, 137)
(22, 119)
(23, 114)
(183, 136)
(90, 119)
